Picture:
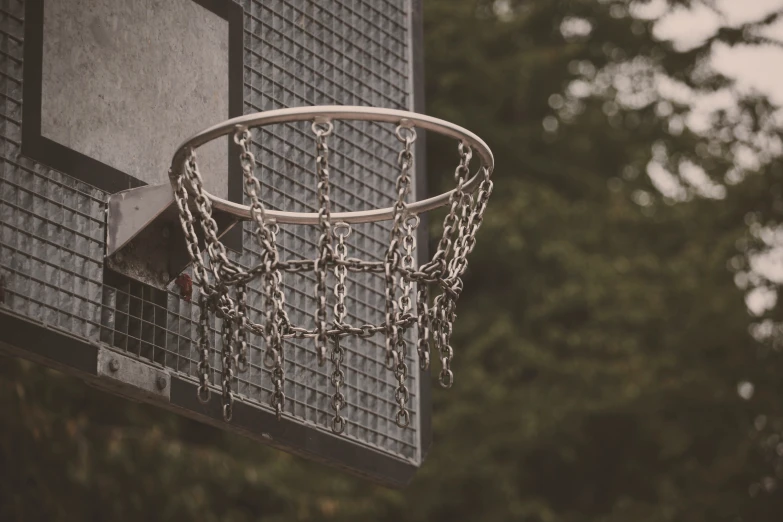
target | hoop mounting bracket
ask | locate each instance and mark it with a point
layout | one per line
(144, 239)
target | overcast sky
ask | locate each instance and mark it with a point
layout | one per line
(759, 68)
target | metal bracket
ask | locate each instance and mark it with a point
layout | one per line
(132, 377)
(144, 239)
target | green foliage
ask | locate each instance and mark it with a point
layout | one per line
(599, 342)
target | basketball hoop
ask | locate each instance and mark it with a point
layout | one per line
(223, 283)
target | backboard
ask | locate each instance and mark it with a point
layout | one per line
(97, 94)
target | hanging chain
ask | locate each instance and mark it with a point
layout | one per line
(423, 319)
(342, 231)
(228, 334)
(215, 274)
(422, 309)
(276, 320)
(263, 231)
(396, 345)
(439, 260)
(243, 364)
(408, 262)
(325, 253)
(204, 368)
(401, 394)
(442, 314)
(458, 263)
(338, 379)
(274, 357)
(220, 264)
(472, 217)
(392, 259)
(407, 136)
(200, 275)
(266, 235)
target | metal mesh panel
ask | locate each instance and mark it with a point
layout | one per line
(296, 53)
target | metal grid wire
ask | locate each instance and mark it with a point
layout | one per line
(297, 52)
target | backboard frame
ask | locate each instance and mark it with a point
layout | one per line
(90, 170)
(140, 379)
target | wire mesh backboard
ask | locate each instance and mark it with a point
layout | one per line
(106, 115)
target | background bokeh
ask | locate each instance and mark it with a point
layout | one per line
(618, 339)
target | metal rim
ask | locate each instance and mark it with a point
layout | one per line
(325, 114)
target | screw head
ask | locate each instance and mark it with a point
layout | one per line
(114, 365)
(161, 382)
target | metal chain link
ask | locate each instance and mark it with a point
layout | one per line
(475, 219)
(396, 345)
(284, 323)
(338, 379)
(458, 263)
(407, 136)
(442, 315)
(472, 222)
(422, 312)
(439, 260)
(445, 269)
(342, 231)
(274, 357)
(228, 335)
(407, 261)
(200, 275)
(219, 262)
(423, 319)
(472, 217)
(364, 331)
(266, 236)
(401, 394)
(204, 368)
(325, 252)
(392, 258)
(243, 364)
(307, 265)
(263, 232)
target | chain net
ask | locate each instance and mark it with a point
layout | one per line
(223, 283)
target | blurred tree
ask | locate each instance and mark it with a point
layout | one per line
(600, 340)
